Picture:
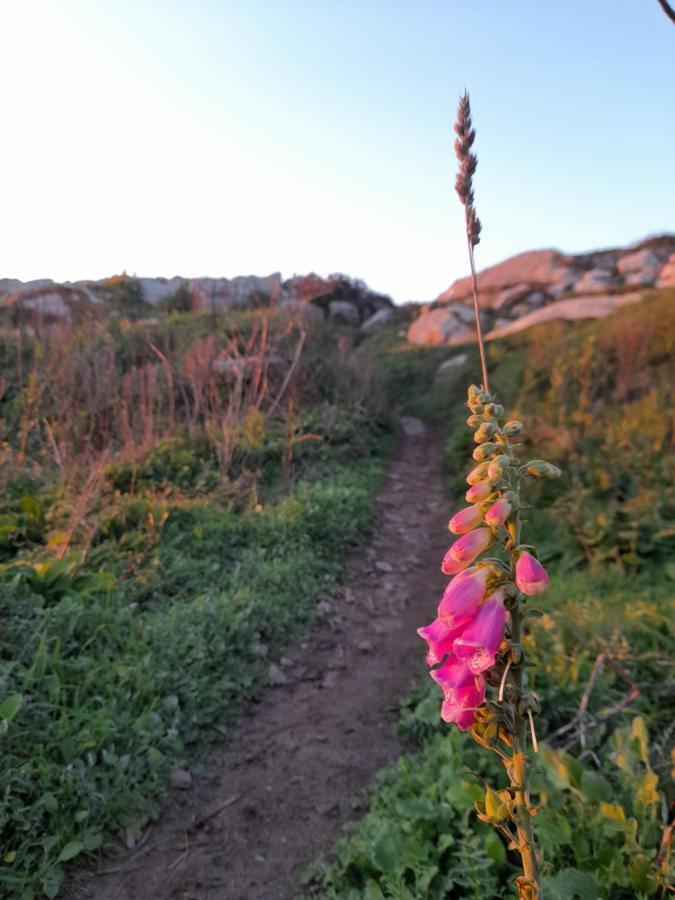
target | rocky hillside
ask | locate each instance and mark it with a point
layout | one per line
(542, 285)
(336, 298)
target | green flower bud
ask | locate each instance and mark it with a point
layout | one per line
(539, 468)
(511, 429)
(498, 468)
(494, 410)
(484, 432)
(485, 451)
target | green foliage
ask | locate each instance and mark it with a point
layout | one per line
(118, 673)
(593, 398)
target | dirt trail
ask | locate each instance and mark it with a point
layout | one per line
(276, 795)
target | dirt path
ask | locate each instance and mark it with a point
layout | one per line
(277, 794)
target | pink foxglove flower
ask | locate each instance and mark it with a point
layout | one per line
(498, 512)
(453, 675)
(460, 706)
(478, 491)
(531, 577)
(440, 638)
(465, 550)
(465, 520)
(462, 596)
(479, 642)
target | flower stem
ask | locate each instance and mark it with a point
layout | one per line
(474, 287)
(519, 770)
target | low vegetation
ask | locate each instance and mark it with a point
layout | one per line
(171, 513)
(601, 637)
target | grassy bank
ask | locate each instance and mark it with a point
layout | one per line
(148, 583)
(593, 398)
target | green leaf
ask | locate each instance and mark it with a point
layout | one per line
(571, 884)
(387, 849)
(71, 850)
(642, 875)
(51, 881)
(595, 787)
(10, 706)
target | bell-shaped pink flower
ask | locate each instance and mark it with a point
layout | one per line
(453, 675)
(479, 491)
(440, 638)
(462, 596)
(465, 550)
(531, 577)
(498, 512)
(460, 705)
(465, 520)
(479, 642)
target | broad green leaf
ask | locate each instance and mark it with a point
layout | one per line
(595, 787)
(571, 884)
(387, 849)
(642, 874)
(71, 850)
(10, 706)
(51, 881)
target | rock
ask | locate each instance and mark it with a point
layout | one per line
(309, 310)
(412, 427)
(344, 311)
(454, 362)
(641, 262)
(536, 268)
(667, 274)
(364, 646)
(640, 279)
(379, 318)
(49, 304)
(156, 290)
(383, 566)
(180, 779)
(594, 306)
(275, 677)
(442, 325)
(595, 280)
(510, 296)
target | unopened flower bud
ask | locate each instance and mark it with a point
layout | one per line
(474, 421)
(479, 491)
(498, 468)
(477, 474)
(511, 429)
(531, 577)
(465, 550)
(484, 451)
(542, 469)
(498, 513)
(465, 520)
(484, 432)
(494, 410)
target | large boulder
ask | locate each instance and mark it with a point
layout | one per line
(595, 280)
(444, 325)
(537, 269)
(641, 262)
(379, 318)
(667, 274)
(593, 306)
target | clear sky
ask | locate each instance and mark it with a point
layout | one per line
(225, 137)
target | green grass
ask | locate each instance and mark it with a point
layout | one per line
(128, 658)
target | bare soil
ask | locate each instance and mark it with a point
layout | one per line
(277, 794)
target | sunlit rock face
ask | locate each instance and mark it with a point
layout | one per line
(536, 286)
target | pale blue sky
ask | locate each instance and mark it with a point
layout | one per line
(198, 137)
